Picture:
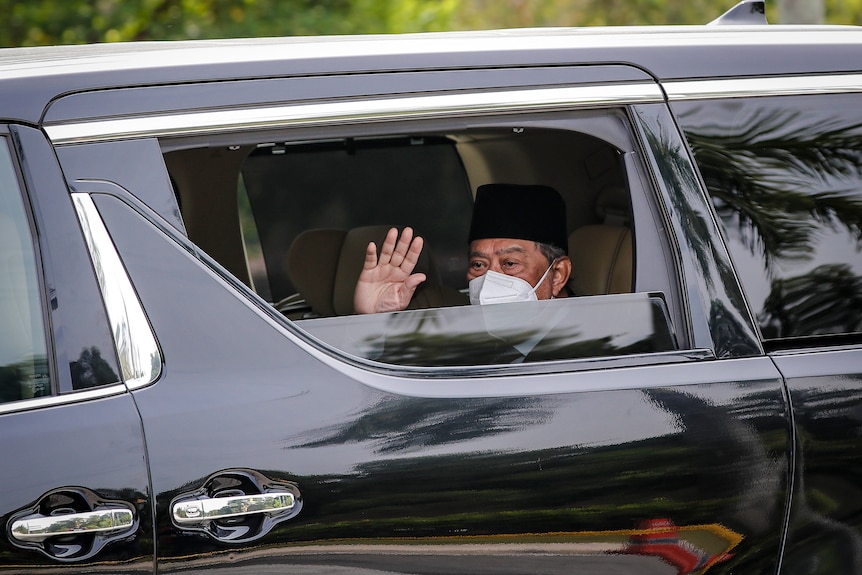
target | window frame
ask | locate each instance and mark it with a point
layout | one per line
(639, 187)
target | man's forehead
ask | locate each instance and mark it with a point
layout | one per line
(501, 246)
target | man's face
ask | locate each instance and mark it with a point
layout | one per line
(519, 258)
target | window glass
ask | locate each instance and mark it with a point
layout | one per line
(569, 328)
(785, 176)
(23, 351)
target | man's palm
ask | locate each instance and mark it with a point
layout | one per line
(387, 283)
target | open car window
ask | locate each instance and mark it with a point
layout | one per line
(291, 218)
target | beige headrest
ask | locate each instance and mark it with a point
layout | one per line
(601, 260)
(311, 263)
(350, 265)
(324, 266)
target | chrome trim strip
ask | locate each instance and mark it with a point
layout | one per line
(353, 111)
(140, 358)
(54, 400)
(762, 86)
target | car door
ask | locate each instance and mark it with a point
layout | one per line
(793, 229)
(274, 448)
(75, 485)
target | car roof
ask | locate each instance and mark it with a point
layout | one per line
(31, 77)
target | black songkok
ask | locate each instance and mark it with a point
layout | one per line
(521, 212)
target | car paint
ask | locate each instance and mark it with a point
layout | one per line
(694, 465)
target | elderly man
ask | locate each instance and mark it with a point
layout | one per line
(518, 252)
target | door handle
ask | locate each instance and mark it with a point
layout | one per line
(197, 511)
(236, 506)
(38, 528)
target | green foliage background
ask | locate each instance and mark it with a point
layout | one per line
(48, 22)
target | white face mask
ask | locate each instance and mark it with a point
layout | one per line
(494, 287)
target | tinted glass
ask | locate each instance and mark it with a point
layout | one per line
(785, 176)
(559, 329)
(23, 351)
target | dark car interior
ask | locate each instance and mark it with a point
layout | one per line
(292, 219)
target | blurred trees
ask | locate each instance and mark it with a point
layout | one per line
(40, 22)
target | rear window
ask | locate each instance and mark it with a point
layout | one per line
(785, 177)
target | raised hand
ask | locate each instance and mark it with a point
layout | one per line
(387, 284)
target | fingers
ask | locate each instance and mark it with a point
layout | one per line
(370, 256)
(412, 255)
(387, 283)
(402, 247)
(388, 247)
(401, 251)
(411, 283)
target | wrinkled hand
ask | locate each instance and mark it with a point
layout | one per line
(388, 283)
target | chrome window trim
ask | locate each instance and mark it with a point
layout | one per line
(442, 105)
(139, 354)
(762, 86)
(354, 111)
(66, 398)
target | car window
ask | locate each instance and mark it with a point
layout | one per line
(568, 328)
(292, 220)
(785, 177)
(23, 349)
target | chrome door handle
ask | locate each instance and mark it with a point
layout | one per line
(212, 508)
(40, 527)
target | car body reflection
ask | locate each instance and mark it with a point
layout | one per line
(656, 546)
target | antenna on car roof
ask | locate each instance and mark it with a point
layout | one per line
(746, 12)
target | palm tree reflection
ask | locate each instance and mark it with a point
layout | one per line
(779, 183)
(400, 424)
(815, 303)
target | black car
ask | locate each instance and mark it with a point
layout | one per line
(185, 387)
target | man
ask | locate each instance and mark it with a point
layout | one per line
(518, 252)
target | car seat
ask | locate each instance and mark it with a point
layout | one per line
(601, 253)
(324, 266)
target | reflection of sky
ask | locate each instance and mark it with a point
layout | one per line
(20, 313)
(831, 247)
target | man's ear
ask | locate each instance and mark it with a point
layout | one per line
(560, 273)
